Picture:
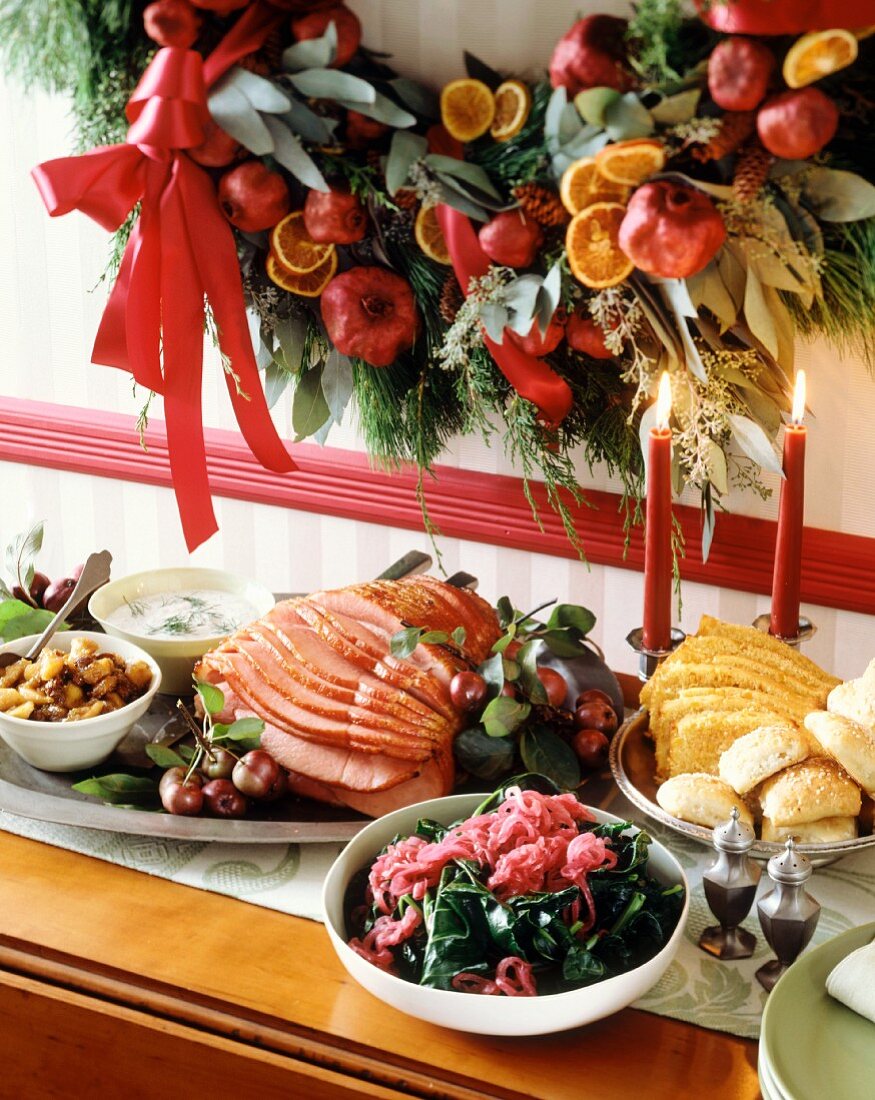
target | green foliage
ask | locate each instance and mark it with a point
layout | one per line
(664, 43)
(510, 163)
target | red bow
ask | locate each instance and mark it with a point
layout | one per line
(532, 378)
(181, 250)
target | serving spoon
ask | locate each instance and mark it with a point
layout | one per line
(95, 572)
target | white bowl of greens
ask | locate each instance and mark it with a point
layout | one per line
(641, 909)
(178, 615)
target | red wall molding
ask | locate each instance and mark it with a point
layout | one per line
(839, 570)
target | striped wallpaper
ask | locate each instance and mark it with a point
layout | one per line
(49, 317)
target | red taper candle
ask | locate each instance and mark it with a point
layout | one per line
(657, 534)
(786, 579)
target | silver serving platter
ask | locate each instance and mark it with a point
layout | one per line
(633, 765)
(49, 796)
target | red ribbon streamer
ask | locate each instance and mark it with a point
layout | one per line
(532, 378)
(246, 36)
(180, 250)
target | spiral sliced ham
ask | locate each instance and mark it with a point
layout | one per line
(353, 724)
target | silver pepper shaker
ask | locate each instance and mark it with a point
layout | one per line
(730, 887)
(788, 914)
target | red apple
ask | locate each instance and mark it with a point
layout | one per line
(511, 239)
(252, 197)
(335, 217)
(346, 23)
(172, 23)
(217, 150)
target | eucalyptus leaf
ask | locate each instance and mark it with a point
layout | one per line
(754, 442)
(549, 296)
(627, 117)
(463, 170)
(307, 124)
(418, 97)
(382, 109)
(120, 790)
(674, 109)
(477, 197)
(494, 318)
(716, 464)
(838, 196)
(291, 154)
(231, 110)
(592, 102)
(521, 296)
(263, 94)
(337, 383)
(404, 151)
(332, 84)
(585, 144)
(312, 53)
(309, 408)
(553, 116)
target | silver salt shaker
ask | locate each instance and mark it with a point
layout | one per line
(730, 887)
(788, 914)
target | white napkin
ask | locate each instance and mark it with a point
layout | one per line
(853, 981)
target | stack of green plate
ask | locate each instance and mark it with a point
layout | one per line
(813, 1047)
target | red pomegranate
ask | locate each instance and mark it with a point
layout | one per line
(784, 16)
(533, 343)
(739, 70)
(172, 23)
(220, 7)
(592, 54)
(797, 124)
(217, 150)
(252, 197)
(335, 217)
(584, 335)
(511, 239)
(349, 30)
(370, 313)
(671, 230)
(362, 131)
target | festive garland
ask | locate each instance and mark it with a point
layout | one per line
(503, 257)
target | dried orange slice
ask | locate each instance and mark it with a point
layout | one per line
(630, 162)
(467, 108)
(513, 102)
(594, 256)
(308, 284)
(294, 247)
(583, 184)
(818, 54)
(430, 236)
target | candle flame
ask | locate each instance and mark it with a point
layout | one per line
(663, 402)
(799, 398)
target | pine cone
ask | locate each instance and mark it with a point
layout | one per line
(751, 171)
(541, 204)
(735, 128)
(451, 298)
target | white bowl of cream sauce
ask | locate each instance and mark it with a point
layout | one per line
(178, 615)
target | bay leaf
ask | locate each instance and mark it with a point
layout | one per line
(337, 384)
(716, 462)
(708, 289)
(754, 442)
(309, 408)
(676, 108)
(838, 196)
(592, 102)
(276, 381)
(758, 315)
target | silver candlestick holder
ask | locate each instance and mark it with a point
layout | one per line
(806, 630)
(730, 886)
(788, 914)
(649, 660)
